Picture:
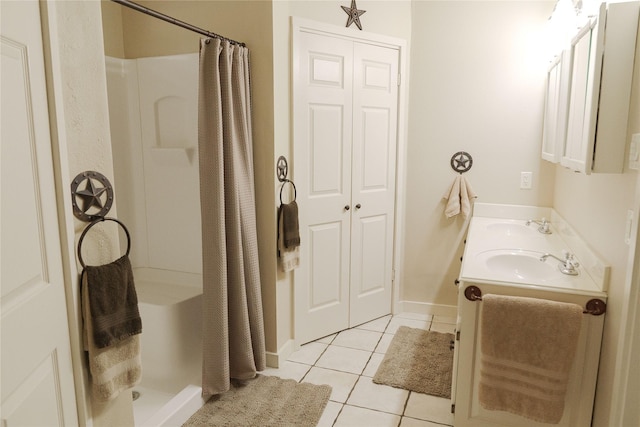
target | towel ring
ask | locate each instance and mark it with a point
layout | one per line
(94, 223)
(295, 193)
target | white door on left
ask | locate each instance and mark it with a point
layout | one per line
(36, 371)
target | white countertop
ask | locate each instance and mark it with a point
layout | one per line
(494, 239)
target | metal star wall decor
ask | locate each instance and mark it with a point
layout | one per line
(354, 14)
(461, 161)
(93, 198)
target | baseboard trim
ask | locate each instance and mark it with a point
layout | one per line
(274, 360)
(426, 308)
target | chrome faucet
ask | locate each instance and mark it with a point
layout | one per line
(544, 225)
(567, 265)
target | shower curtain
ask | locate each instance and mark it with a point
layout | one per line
(233, 329)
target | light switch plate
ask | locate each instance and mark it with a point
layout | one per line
(634, 152)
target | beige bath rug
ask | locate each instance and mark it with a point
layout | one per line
(418, 360)
(264, 401)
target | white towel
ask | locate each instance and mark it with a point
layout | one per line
(527, 351)
(289, 257)
(459, 196)
(115, 368)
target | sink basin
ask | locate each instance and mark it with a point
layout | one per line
(520, 265)
(511, 229)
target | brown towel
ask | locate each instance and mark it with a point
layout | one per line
(527, 350)
(113, 301)
(290, 228)
(289, 257)
(113, 369)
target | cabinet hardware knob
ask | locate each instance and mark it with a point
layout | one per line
(358, 206)
(347, 207)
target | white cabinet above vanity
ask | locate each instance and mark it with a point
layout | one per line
(509, 257)
(588, 93)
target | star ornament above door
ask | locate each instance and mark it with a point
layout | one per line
(354, 14)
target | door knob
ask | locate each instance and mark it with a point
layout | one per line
(358, 206)
(347, 207)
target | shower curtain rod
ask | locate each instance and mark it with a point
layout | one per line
(174, 21)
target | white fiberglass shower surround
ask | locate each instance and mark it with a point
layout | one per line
(153, 105)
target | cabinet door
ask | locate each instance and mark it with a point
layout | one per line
(601, 81)
(555, 112)
(582, 382)
(586, 68)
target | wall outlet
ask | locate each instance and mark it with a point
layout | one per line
(634, 152)
(525, 180)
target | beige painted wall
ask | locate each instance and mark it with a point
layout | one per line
(81, 138)
(477, 86)
(112, 29)
(596, 205)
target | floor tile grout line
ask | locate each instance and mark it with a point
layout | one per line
(375, 410)
(316, 361)
(359, 376)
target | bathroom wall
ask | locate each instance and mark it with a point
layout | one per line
(478, 73)
(113, 31)
(596, 205)
(81, 142)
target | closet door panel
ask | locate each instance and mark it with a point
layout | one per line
(322, 174)
(373, 180)
(326, 148)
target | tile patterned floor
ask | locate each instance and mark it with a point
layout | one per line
(347, 361)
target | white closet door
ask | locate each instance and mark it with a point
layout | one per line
(37, 376)
(375, 112)
(322, 173)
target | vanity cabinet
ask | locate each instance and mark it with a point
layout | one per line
(582, 382)
(506, 255)
(601, 58)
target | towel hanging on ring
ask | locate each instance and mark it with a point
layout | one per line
(459, 197)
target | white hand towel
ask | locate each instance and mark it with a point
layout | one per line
(459, 196)
(466, 195)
